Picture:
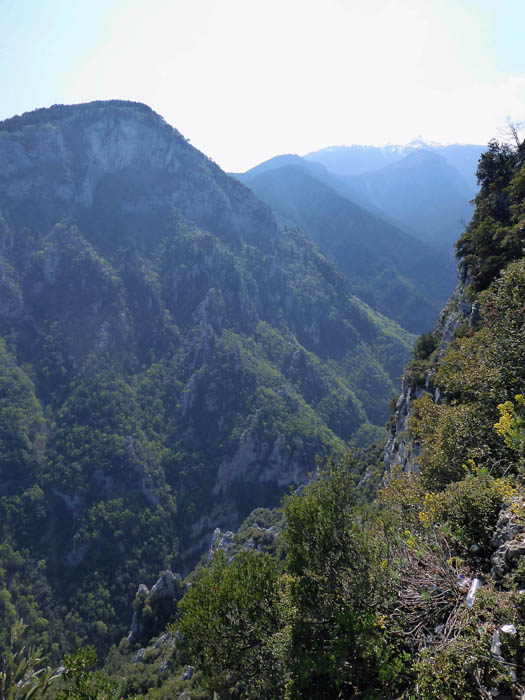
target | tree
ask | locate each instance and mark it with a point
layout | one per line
(511, 132)
(23, 674)
(231, 624)
(336, 647)
(495, 236)
(83, 682)
(312, 631)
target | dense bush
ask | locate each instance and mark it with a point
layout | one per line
(306, 627)
(231, 622)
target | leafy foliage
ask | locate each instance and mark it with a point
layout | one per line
(336, 589)
(107, 416)
(495, 235)
(231, 623)
(310, 629)
(83, 682)
(423, 356)
(478, 374)
(22, 673)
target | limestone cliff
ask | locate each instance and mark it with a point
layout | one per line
(401, 449)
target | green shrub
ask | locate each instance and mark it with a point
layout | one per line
(470, 509)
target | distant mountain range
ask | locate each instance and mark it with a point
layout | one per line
(387, 216)
(394, 272)
(356, 160)
(427, 196)
(424, 188)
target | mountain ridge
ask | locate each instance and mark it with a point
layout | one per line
(357, 159)
(183, 356)
(390, 269)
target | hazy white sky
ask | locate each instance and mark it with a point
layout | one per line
(248, 79)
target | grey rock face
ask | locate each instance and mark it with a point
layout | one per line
(401, 450)
(262, 538)
(458, 308)
(166, 639)
(139, 656)
(167, 585)
(221, 541)
(271, 461)
(508, 539)
(188, 673)
(160, 601)
(88, 144)
(265, 538)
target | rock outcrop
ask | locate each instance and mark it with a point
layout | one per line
(508, 539)
(222, 542)
(154, 608)
(401, 449)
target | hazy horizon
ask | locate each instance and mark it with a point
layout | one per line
(246, 80)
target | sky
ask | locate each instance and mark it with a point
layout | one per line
(245, 80)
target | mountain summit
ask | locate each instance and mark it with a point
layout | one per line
(172, 355)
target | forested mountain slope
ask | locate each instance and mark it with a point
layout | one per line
(172, 356)
(391, 270)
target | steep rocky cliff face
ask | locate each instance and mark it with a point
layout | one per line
(401, 450)
(173, 355)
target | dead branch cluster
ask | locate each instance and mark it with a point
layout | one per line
(430, 592)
